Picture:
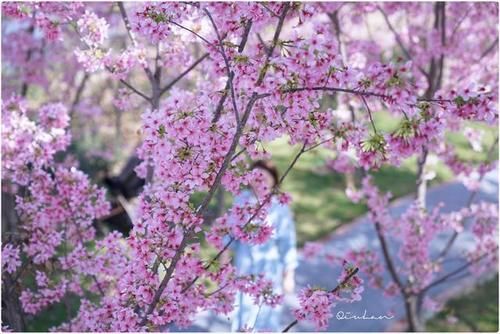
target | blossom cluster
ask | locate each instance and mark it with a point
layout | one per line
(27, 146)
(10, 258)
(316, 303)
(93, 30)
(153, 20)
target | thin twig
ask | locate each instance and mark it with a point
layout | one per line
(312, 147)
(268, 9)
(220, 105)
(239, 153)
(191, 31)
(80, 238)
(266, 49)
(489, 49)
(350, 91)
(456, 271)
(369, 114)
(183, 74)
(461, 20)
(128, 85)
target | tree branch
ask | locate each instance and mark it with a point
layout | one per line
(79, 92)
(456, 271)
(132, 88)
(274, 43)
(244, 38)
(24, 85)
(126, 21)
(443, 44)
(388, 260)
(489, 49)
(334, 17)
(249, 107)
(230, 73)
(165, 280)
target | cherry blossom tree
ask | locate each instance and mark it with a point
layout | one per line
(211, 83)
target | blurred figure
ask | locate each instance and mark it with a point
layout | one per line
(123, 189)
(276, 258)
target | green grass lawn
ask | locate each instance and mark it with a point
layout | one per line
(319, 202)
(474, 312)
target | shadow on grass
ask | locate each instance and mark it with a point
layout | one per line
(474, 312)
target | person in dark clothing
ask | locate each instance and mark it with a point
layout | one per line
(126, 185)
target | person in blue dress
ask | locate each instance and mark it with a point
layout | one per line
(276, 259)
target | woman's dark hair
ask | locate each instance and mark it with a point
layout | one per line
(269, 167)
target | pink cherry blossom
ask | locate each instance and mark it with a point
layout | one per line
(10, 258)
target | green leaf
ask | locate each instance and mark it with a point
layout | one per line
(161, 131)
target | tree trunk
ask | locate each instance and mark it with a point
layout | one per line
(9, 217)
(412, 314)
(421, 181)
(12, 313)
